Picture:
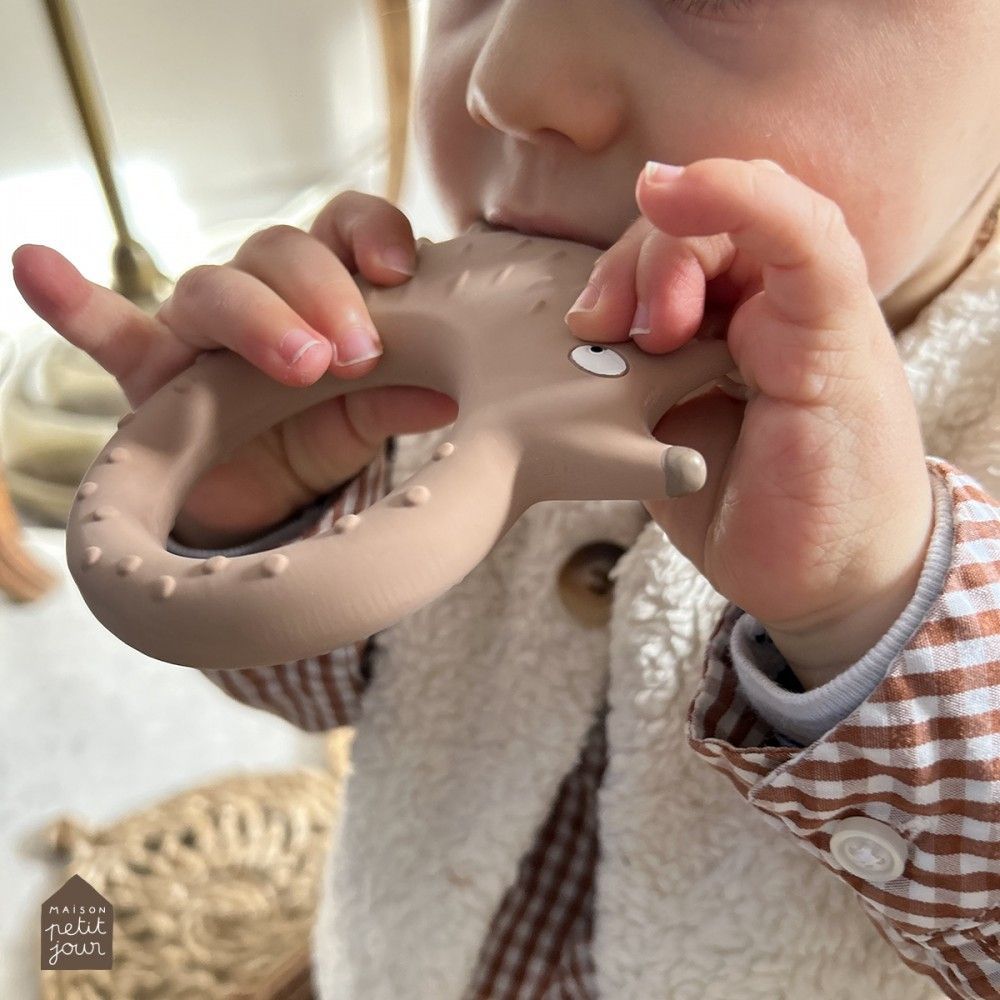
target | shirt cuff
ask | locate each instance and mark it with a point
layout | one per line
(773, 691)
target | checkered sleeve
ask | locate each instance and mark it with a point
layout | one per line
(901, 798)
(325, 691)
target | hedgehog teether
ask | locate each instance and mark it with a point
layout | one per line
(542, 416)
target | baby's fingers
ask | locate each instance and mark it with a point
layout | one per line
(671, 277)
(604, 309)
(311, 280)
(136, 349)
(651, 286)
(813, 270)
(330, 441)
(810, 334)
(216, 306)
(368, 234)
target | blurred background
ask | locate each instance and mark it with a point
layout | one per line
(223, 117)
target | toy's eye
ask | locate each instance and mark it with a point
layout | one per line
(598, 360)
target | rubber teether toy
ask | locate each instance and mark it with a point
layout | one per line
(542, 416)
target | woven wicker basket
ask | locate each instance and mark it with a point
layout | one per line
(214, 889)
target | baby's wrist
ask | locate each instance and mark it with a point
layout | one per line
(820, 655)
(821, 650)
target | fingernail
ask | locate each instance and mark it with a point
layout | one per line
(294, 345)
(587, 299)
(396, 258)
(640, 321)
(661, 173)
(356, 344)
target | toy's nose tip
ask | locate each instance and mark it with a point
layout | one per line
(686, 471)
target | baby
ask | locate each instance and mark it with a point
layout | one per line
(530, 813)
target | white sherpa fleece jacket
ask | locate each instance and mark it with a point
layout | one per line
(479, 706)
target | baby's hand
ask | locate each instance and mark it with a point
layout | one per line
(817, 512)
(288, 304)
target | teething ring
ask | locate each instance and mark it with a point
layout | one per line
(542, 416)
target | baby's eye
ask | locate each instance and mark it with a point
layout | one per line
(598, 360)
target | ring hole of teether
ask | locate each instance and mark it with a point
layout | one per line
(435, 408)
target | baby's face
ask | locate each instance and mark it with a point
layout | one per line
(546, 110)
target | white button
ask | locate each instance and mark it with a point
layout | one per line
(869, 849)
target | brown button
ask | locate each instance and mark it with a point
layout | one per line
(584, 586)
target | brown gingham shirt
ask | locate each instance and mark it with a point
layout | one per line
(920, 753)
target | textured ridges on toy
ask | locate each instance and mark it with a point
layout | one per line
(536, 295)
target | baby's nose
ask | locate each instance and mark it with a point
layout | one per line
(538, 79)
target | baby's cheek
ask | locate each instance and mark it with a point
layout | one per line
(905, 222)
(891, 237)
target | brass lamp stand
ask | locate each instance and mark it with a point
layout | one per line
(246, 853)
(394, 21)
(134, 274)
(61, 406)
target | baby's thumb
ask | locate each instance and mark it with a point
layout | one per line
(331, 442)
